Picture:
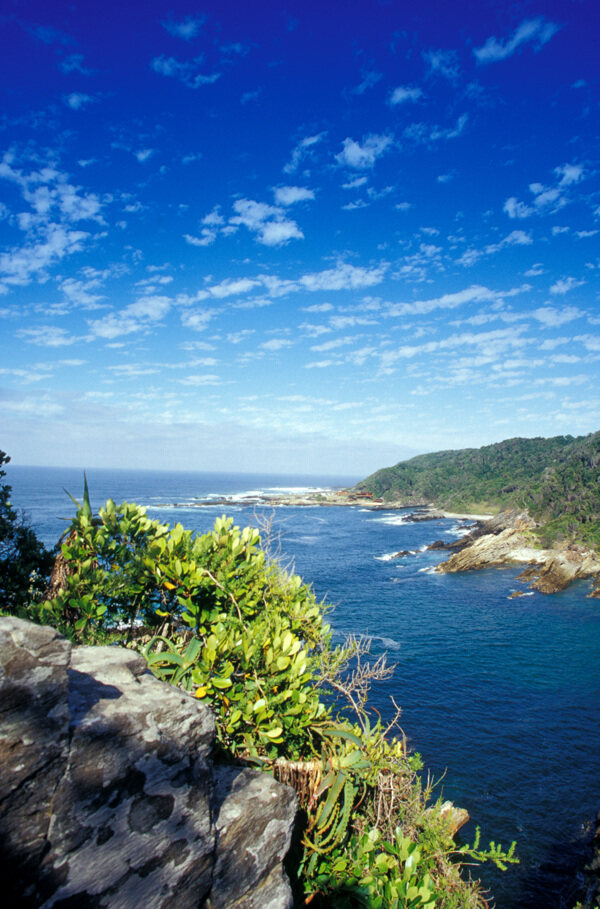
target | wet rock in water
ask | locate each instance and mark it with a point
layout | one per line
(439, 544)
(453, 817)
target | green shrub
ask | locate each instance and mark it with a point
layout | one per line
(24, 561)
(214, 616)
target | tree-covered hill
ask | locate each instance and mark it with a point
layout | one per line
(557, 480)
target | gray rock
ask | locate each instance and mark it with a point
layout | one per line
(108, 792)
(245, 875)
(34, 745)
(133, 823)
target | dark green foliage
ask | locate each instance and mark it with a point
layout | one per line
(557, 480)
(24, 562)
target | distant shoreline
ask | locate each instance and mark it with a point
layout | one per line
(500, 540)
(322, 497)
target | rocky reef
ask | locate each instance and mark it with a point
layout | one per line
(109, 795)
(506, 539)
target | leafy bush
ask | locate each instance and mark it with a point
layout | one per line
(214, 616)
(24, 561)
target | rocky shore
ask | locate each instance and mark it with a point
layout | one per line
(325, 497)
(507, 539)
(490, 540)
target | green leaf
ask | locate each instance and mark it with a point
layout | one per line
(222, 683)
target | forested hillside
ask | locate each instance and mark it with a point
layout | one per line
(557, 480)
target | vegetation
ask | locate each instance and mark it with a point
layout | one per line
(24, 561)
(213, 615)
(557, 480)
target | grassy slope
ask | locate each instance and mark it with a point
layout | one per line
(557, 480)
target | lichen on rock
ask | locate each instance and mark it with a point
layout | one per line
(109, 796)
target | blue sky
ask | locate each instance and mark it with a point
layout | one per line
(296, 236)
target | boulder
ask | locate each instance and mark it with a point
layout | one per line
(109, 797)
(245, 875)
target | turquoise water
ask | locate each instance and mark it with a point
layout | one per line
(500, 696)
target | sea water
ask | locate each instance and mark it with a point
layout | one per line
(500, 695)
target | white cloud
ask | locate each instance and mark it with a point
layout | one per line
(535, 270)
(318, 307)
(405, 93)
(552, 317)
(564, 285)
(47, 336)
(301, 150)
(473, 294)
(360, 156)
(250, 96)
(424, 133)
(74, 64)
(354, 184)
(77, 100)
(569, 174)
(185, 71)
(320, 364)
(491, 345)
(516, 209)
(229, 287)
(369, 80)
(77, 293)
(537, 30)
(186, 29)
(442, 63)
(590, 342)
(546, 199)
(275, 344)
(452, 132)
(331, 345)
(344, 277)
(515, 238)
(197, 319)
(144, 154)
(343, 322)
(236, 337)
(208, 237)
(196, 380)
(353, 206)
(20, 266)
(138, 316)
(288, 195)
(268, 222)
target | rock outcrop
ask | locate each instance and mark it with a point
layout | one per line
(108, 794)
(505, 540)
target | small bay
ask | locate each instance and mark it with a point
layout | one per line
(500, 695)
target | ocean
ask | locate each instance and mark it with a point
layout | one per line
(500, 696)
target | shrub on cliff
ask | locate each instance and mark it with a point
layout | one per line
(24, 561)
(214, 616)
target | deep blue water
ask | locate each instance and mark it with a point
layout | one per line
(500, 696)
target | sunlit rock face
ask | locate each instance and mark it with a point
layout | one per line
(108, 793)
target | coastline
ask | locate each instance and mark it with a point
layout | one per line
(491, 541)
